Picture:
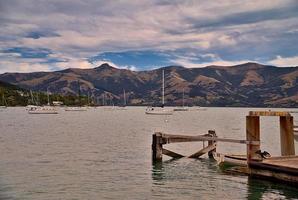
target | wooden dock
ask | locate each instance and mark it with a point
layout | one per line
(284, 167)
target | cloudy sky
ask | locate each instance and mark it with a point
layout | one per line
(51, 35)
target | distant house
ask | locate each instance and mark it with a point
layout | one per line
(57, 103)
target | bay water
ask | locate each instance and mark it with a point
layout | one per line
(106, 154)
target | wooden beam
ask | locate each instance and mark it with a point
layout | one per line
(203, 151)
(171, 153)
(269, 113)
(287, 136)
(167, 139)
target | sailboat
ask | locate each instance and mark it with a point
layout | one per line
(160, 110)
(3, 102)
(80, 108)
(123, 107)
(181, 108)
(48, 109)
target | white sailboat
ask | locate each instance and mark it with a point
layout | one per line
(123, 107)
(160, 110)
(78, 108)
(181, 108)
(3, 102)
(48, 109)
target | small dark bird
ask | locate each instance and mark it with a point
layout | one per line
(263, 154)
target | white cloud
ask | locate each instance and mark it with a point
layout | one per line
(189, 64)
(284, 61)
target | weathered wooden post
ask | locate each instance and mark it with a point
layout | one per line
(287, 135)
(157, 147)
(212, 134)
(252, 134)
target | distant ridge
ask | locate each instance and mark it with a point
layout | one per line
(247, 84)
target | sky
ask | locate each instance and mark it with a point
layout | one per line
(50, 35)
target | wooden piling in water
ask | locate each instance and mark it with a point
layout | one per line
(212, 143)
(157, 147)
(287, 136)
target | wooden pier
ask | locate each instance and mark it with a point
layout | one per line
(284, 167)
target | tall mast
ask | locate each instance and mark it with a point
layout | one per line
(163, 87)
(124, 97)
(79, 92)
(48, 96)
(183, 98)
(4, 100)
(103, 99)
(32, 100)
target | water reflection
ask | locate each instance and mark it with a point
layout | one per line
(262, 189)
(4, 190)
(202, 177)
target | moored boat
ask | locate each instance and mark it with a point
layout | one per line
(226, 160)
(159, 111)
(43, 110)
(76, 109)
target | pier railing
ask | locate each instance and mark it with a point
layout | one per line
(160, 139)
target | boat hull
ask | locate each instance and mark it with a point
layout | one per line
(180, 109)
(230, 160)
(161, 112)
(76, 109)
(43, 112)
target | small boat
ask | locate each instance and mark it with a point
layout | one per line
(42, 110)
(160, 110)
(226, 160)
(31, 107)
(181, 108)
(201, 109)
(4, 106)
(76, 109)
(123, 107)
(230, 160)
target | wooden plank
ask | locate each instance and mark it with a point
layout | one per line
(287, 136)
(269, 113)
(171, 153)
(284, 161)
(203, 151)
(167, 139)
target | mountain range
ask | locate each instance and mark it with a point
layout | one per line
(248, 84)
